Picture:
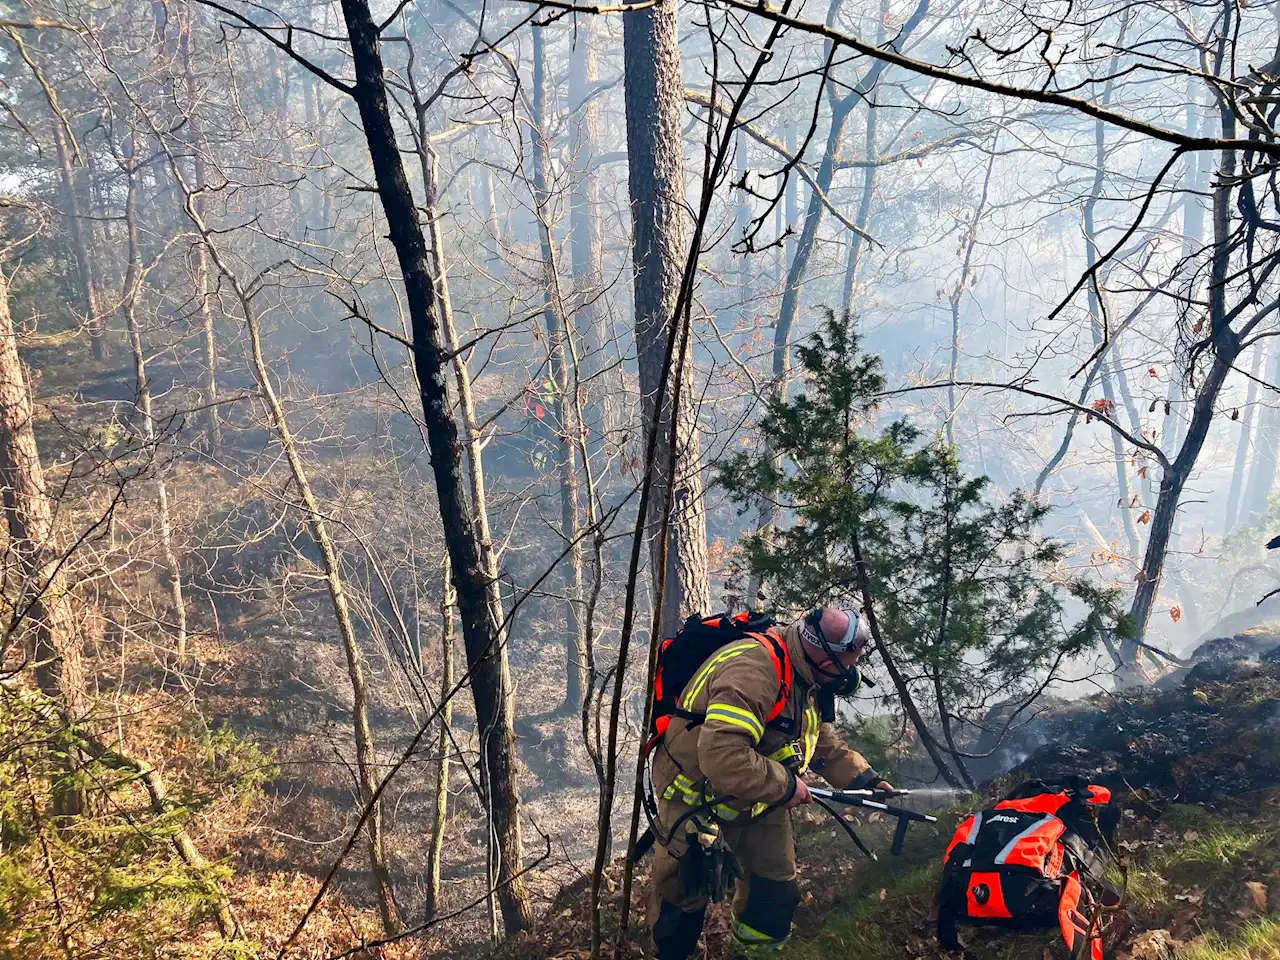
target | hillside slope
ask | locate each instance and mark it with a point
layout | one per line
(1197, 772)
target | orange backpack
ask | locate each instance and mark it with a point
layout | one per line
(1034, 860)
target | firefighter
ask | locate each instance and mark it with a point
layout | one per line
(750, 767)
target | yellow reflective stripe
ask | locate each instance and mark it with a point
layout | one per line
(738, 717)
(750, 935)
(702, 676)
(686, 788)
(736, 722)
(788, 752)
(693, 795)
(811, 725)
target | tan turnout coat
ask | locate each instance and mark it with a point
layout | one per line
(731, 749)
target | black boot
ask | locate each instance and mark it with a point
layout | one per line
(675, 935)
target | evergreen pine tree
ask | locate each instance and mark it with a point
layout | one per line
(971, 599)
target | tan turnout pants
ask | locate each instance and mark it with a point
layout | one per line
(766, 856)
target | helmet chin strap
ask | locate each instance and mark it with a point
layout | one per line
(842, 675)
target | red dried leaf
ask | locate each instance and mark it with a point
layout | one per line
(1146, 517)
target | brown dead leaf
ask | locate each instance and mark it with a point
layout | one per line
(1258, 891)
(1191, 836)
(1184, 922)
(1152, 945)
(1145, 517)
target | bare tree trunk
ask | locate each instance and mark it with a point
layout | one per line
(1198, 167)
(841, 108)
(565, 405)
(366, 754)
(1246, 441)
(957, 294)
(42, 610)
(440, 819)
(586, 248)
(128, 307)
(473, 441)
(655, 165)
(1266, 444)
(1226, 347)
(742, 222)
(479, 629)
(1095, 327)
(79, 245)
(199, 256)
(488, 198)
(472, 445)
(863, 216)
(792, 200)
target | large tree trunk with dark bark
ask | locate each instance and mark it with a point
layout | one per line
(479, 630)
(43, 606)
(655, 176)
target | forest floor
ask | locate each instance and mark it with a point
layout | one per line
(1196, 771)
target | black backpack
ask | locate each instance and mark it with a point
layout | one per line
(681, 656)
(1035, 860)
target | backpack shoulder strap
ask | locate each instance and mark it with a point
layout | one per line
(777, 649)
